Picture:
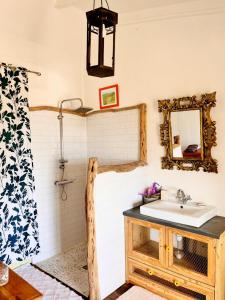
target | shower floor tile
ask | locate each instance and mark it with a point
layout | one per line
(69, 267)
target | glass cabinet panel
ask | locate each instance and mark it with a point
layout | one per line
(191, 254)
(146, 241)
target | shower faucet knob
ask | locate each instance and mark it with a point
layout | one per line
(63, 161)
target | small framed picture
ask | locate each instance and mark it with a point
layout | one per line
(109, 96)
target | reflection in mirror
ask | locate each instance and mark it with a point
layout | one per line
(186, 134)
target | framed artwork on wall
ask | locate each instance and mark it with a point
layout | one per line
(109, 96)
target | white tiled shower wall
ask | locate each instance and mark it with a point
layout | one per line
(112, 137)
(61, 223)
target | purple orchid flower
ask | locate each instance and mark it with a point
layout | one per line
(152, 190)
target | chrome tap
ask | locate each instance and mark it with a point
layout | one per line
(182, 198)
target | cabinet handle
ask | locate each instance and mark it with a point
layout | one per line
(168, 248)
(177, 283)
(150, 272)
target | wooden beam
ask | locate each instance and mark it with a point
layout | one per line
(220, 269)
(121, 168)
(71, 111)
(56, 109)
(94, 293)
(114, 110)
(143, 133)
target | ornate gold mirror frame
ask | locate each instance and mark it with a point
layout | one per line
(208, 132)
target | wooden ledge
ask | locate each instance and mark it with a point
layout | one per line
(72, 112)
(56, 109)
(122, 167)
(114, 110)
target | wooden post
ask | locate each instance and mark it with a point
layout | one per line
(220, 269)
(143, 134)
(94, 293)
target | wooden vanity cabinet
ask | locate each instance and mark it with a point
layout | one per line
(174, 263)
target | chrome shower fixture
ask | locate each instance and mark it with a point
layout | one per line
(62, 161)
(81, 109)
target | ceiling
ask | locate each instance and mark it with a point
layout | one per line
(121, 6)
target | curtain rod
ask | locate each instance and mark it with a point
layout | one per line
(15, 67)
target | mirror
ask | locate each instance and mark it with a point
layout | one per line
(186, 134)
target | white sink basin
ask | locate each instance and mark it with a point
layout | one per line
(191, 214)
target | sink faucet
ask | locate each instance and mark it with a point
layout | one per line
(182, 198)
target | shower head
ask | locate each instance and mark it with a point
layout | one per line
(83, 110)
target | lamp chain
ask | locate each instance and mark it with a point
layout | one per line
(101, 4)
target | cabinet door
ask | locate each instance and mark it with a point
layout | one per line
(170, 286)
(145, 241)
(191, 255)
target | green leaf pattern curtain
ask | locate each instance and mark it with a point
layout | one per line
(18, 210)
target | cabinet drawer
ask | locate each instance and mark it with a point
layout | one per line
(166, 285)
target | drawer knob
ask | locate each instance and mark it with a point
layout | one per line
(150, 272)
(167, 248)
(177, 283)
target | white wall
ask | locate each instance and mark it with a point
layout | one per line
(62, 224)
(114, 194)
(174, 54)
(36, 35)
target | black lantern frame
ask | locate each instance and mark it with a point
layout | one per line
(97, 20)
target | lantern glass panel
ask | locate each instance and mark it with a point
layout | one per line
(94, 48)
(108, 49)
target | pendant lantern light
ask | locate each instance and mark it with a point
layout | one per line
(101, 36)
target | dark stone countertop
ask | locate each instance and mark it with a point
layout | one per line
(212, 228)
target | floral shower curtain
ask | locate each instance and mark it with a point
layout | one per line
(18, 210)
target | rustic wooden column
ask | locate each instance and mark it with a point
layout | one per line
(143, 133)
(94, 293)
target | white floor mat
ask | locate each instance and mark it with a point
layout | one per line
(68, 267)
(50, 288)
(138, 293)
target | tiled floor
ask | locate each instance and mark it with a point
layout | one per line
(70, 268)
